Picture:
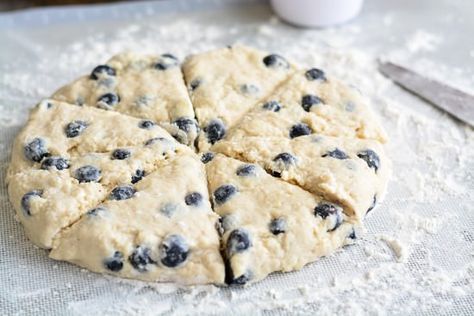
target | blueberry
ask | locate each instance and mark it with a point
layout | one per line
(238, 241)
(215, 131)
(121, 154)
(114, 263)
(168, 209)
(336, 153)
(246, 170)
(300, 129)
(146, 124)
(154, 140)
(166, 61)
(173, 251)
(57, 162)
(124, 192)
(370, 157)
(110, 99)
(240, 280)
(249, 89)
(102, 70)
(96, 211)
(75, 128)
(87, 173)
(140, 258)
(275, 61)
(273, 106)
(223, 193)
(36, 150)
(278, 226)
(315, 74)
(309, 100)
(138, 175)
(194, 198)
(352, 234)
(25, 200)
(283, 162)
(374, 202)
(194, 84)
(186, 124)
(331, 211)
(206, 157)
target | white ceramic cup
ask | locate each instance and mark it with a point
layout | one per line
(317, 13)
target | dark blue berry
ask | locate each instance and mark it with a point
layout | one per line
(336, 153)
(186, 124)
(300, 129)
(121, 154)
(114, 263)
(75, 128)
(238, 241)
(154, 140)
(223, 193)
(352, 234)
(87, 173)
(374, 202)
(195, 84)
(140, 258)
(166, 61)
(111, 99)
(275, 61)
(146, 124)
(278, 226)
(25, 200)
(315, 74)
(370, 157)
(194, 199)
(249, 89)
(139, 174)
(215, 131)
(57, 162)
(309, 100)
(173, 251)
(36, 150)
(241, 280)
(206, 157)
(331, 212)
(273, 106)
(124, 192)
(246, 170)
(102, 70)
(96, 211)
(283, 161)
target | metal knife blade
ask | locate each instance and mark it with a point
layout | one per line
(454, 101)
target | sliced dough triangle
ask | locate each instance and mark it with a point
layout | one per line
(61, 129)
(270, 225)
(165, 231)
(321, 105)
(62, 188)
(350, 172)
(143, 86)
(226, 83)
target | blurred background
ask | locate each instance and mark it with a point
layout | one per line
(8, 5)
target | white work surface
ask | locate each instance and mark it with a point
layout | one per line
(416, 257)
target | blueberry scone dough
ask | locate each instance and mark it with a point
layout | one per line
(349, 172)
(143, 86)
(162, 230)
(270, 225)
(226, 83)
(311, 102)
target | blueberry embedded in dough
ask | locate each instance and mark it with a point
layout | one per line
(276, 61)
(108, 100)
(141, 258)
(26, 199)
(166, 61)
(238, 241)
(75, 128)
(308, 100)
(215, 131)
(239, 280)
(371, 158)
(278, 226)
(121, 154)
(96, 211)
(272, 105)
(336, 153)
(185, 130)
(174, 251)
(247, 170)
(195, 83)
(249, 89)
(224, 193)
(36, 150)
(193, 199)
(57, 162)
(123, 192)
(207, 156)
(146, 124)
(282, 162)
(314, 74)
(155, 140)
(87, 173)
(137, 176)
(331, 213)
(300, 129)
(102, 71)
(115, 262)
